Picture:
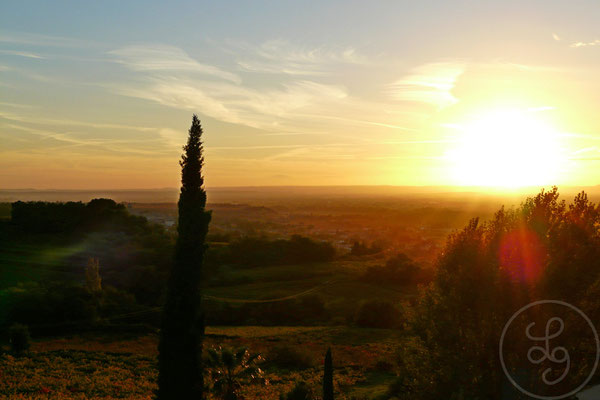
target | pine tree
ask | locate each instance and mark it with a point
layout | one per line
(328, 376)
(182, 327)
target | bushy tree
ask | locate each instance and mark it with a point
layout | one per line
(540, 250)
(399, 270)
(180, 347)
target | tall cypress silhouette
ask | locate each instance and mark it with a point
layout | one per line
(328, 376)
(182, 327)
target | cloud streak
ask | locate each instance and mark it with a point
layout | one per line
(151, 58)
(235, 104)
(32, 39)
(25, 54)
(430, 83)
(586, 44)
(281, 57)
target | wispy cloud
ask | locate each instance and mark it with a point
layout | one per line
(290, 101)
(430, 83)
(166, 58)
(281, 57)
(70, 122)
(32, 39)
(14, 105)
(555, 37)
(236, 104)
(21, 54)
(72, 139)
(586, 44)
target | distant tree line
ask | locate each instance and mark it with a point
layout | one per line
(73, 217)
(257, 251)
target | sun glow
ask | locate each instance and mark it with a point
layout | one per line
(507, 148)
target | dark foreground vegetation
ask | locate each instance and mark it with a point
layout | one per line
(89, 293)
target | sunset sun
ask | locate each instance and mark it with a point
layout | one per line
(506, 148)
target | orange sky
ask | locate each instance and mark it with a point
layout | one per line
(398, 94)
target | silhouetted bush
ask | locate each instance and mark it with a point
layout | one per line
(300, 391)
(60, 307)
(362, 249)
(19, 339)
(259, 251)
(377, 314)
(383, 366)
(399, 269)
(290, 357)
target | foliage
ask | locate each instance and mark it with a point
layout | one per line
(377, 314)
(113, 365)
(361, 249)
(300, 391)
(59, 308)
(229, 369)
(182, 326)
(72, 218)
(69, 374)
(251, 251)
(290, 357)
(543, 249)
(399, 270)
(19, 339)
(54, 305)
(49, 242)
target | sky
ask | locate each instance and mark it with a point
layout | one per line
(97, 95)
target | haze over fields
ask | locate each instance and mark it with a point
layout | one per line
(299, 200)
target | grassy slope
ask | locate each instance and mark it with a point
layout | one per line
(339, 283)
(121, 367)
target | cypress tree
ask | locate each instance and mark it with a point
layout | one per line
(328, 376)
(182, 326)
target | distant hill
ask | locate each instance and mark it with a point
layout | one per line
(271, 194)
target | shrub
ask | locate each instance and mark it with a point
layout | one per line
(312, 308)
(383, 366)
(251, 251)
(19, 339)
(300, 391)
(377, 314)
(399, 269)
(290, 357)
(361, 249)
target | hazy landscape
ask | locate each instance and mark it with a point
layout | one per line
(309, 200)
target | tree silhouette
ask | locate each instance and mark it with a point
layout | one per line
(328, 376)
(182, 327)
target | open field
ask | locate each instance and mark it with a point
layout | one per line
(106, 367)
